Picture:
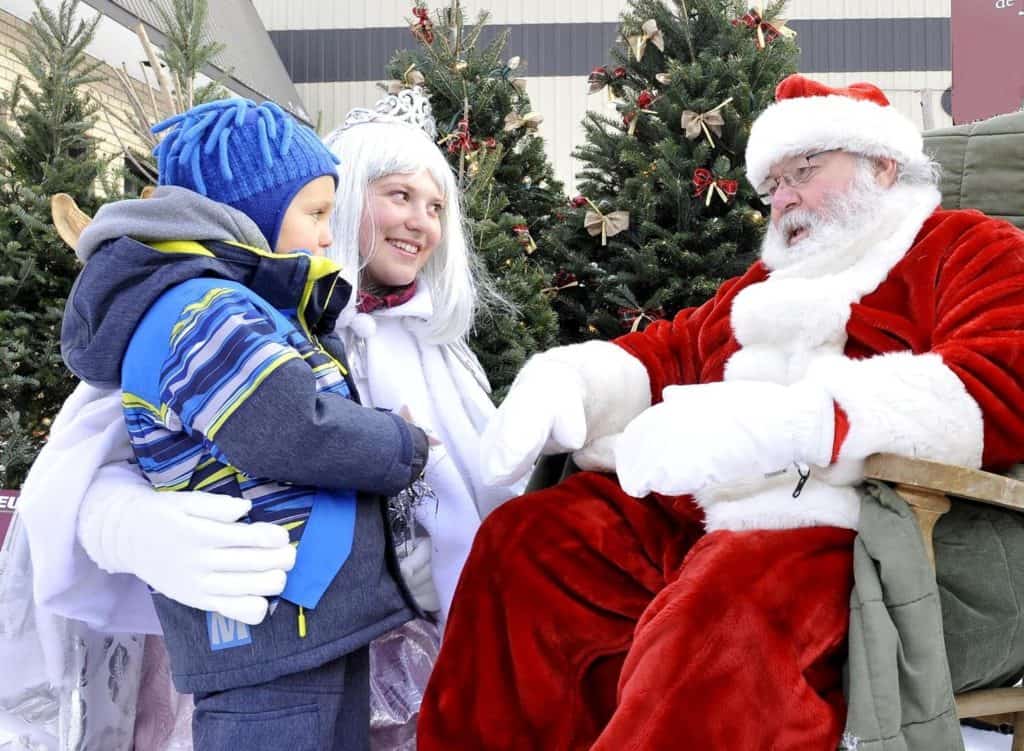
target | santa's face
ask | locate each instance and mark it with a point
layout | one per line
(804, 184)
(825, 214)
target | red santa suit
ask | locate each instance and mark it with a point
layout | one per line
(589, 619)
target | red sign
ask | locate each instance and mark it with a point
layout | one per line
(988, 78)
(8, 500)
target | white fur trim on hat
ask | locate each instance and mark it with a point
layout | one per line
(819, 123)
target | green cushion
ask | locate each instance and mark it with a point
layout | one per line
(979, 560)
(982, 165)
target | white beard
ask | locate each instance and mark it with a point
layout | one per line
(837, 229)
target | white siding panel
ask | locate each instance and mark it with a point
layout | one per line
(812, 9)
(313, 14)
(910, 92)
(331, 102)
(352, 14)
(563, 100)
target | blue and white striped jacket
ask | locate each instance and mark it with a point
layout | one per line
(228, 393)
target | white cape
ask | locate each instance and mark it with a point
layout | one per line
(443, 388)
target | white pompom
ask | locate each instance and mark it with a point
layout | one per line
(363, 325)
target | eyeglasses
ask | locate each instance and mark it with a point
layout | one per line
(793, 178)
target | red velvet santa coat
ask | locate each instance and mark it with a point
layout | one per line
(588, 619)
(921, 349)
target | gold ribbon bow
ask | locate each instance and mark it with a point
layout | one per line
(651, 34)
(410, 78)
(709, 122)
(530, 121)
(606, 225)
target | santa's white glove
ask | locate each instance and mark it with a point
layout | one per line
(562, 400)
(187, 546)
(719, 433)
(414, 561)
(542, 414)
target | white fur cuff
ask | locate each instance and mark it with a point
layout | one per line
(902, 403)
(806, 124)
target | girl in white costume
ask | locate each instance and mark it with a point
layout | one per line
(398, 235)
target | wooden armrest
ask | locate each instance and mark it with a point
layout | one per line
(935, 477)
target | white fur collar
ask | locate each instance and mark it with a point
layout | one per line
(800, 312)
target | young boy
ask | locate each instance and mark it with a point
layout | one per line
(234, 383)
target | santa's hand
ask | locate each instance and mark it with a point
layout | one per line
(720, 433)
(543, 413)
(414, 561)
(188, 546)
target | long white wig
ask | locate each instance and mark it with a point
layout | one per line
(370, 151)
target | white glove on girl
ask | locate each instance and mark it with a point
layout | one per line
(414, 561)
(719, 433)
(187, 546)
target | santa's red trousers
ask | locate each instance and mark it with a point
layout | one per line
(586, 619)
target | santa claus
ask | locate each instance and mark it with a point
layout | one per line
(700, 599)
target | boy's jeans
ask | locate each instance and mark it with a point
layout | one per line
(323, 709)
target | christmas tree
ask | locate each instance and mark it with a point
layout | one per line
(44, 149)
(664, 213)
(176, 69)
(509, 191)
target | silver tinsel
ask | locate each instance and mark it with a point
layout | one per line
(65, 687)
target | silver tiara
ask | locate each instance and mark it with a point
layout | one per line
(407, 106)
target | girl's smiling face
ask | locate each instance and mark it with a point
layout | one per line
(400, 228)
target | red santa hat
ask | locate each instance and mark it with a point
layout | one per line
(810, 116)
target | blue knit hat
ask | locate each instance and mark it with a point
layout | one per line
(253, 158)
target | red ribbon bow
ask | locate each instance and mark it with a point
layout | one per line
(424, 27)
(633, 318)
(705, 180)
(460, 139)
(766, 32)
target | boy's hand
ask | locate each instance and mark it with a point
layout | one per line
(406, 414)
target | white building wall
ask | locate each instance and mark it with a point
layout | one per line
(563, 99)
